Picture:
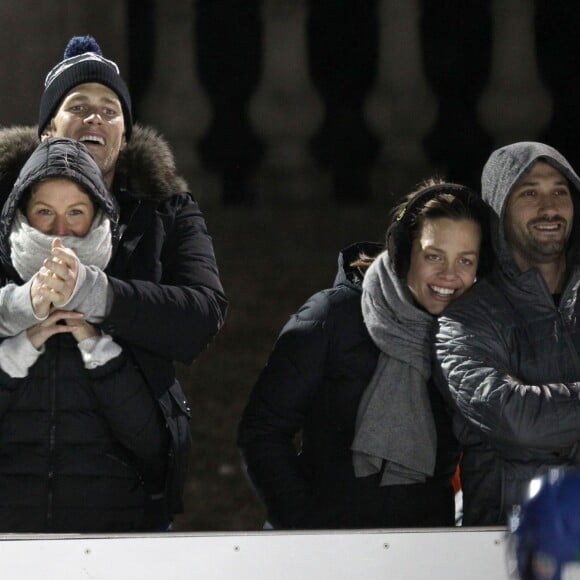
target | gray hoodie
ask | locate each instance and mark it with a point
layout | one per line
(508, 361)
(502, 170)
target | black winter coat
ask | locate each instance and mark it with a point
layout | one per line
(75, 445)
(321, 363)
(80, 450)
(167, 299)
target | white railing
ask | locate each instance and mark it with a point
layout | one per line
(454, 554)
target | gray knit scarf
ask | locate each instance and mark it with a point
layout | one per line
(395, 429)
(30, 247)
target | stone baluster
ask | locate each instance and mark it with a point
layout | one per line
(343, 49)
(556, 26)
(174, 102)
(142, 41)
(228, 44)
(515, 105)
(285, 110)
(456, 47)
(401, 108)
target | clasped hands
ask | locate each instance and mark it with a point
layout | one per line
(52, 288)
(53, 285)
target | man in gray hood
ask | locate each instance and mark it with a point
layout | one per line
(508, 352)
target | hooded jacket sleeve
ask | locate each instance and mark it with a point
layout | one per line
(277, 410)
(473, 373)
(169, 300)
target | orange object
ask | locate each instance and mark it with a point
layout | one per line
(456, 481)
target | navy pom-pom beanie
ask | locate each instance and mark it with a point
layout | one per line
(83, 63)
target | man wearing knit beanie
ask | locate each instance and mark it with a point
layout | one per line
(161, 296)
(85, 98)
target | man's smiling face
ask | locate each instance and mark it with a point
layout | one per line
(92, 113)
(539, 216)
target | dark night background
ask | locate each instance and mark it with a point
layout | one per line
(297, 123)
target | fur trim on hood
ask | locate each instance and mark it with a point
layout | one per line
(147, 163)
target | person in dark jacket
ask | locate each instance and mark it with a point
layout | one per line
(509, 353)
(350, 372)
(164, 263)
(83, 444)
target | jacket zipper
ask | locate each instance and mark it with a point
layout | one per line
(51, 444)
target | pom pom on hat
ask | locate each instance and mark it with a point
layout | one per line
(83, 63)
(81, 44)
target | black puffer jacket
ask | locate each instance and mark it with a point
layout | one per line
(504, 349)
(322, 362)
(80, 450)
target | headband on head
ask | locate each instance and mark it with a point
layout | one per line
(399, 240)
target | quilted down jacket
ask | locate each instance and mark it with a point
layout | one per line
(509, 360)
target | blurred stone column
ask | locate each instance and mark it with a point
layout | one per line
(285, 110)
(142, 39)
(401, 107)
(515, 105)
(456, 48)
(228, 47)
(174, 103)
(556, 34)
(343, 49)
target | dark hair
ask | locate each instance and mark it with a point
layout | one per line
(435, 198)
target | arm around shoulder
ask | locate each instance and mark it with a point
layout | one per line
(175, 304)
(473, 371)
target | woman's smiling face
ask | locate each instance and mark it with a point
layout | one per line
(443, 265)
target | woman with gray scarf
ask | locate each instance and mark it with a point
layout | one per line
(82, 441)
(351, 375)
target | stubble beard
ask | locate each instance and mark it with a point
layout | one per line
(535, 250)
